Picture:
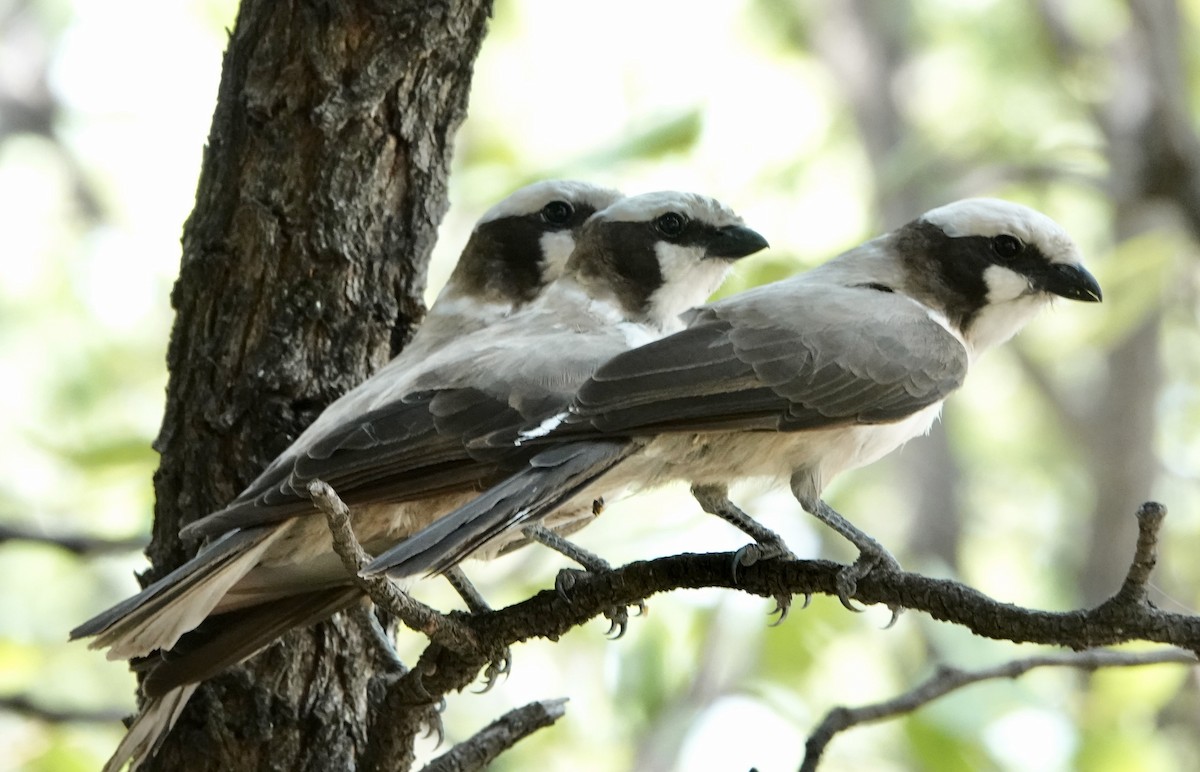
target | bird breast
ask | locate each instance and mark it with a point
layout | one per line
(721, 458)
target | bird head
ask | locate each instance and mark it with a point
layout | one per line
(661, 253)
(989, 265)
(523, 242)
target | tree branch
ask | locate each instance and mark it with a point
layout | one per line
(949, 679)
(1126, 616)
(78, 544)
(22, 704)
(500, 735)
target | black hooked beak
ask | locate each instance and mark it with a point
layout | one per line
(1069, 281)
(735, 241)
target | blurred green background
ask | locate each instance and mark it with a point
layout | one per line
(823, 123)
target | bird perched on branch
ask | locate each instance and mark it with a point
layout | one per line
(397, 451)
(798, 380)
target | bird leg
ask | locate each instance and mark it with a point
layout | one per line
(872, 556)
(365, 613)
(591, 562)
(477, 605)
(714, 499)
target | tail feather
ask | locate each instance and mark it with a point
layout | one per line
(159, 615)
(226, 639)
(220, 642)
(157, 717)
(550, 479)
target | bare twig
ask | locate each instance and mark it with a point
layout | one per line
(22, 704)
(78, 544)
(438, 627)
(949, 679)
(1134, 590)
(500, 735)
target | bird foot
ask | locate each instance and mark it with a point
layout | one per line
(432, 722)
(618, 616)
(869, 561)
(766, 550)
(500, 666)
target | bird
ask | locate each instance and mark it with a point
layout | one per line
(795, 381)
(636, 266)
(514, 250)
(517, 247)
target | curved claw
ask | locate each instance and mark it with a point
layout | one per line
(619, 624)
(807, 601)
(501, 666)
(867, 562)
(783, 604)
(847, 585)
(620, 619)
(745, 557)
(849, 605)
(433, 724)
(896, 612)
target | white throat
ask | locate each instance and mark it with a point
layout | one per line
(1011, 304)
(998, 322)
(688, 279)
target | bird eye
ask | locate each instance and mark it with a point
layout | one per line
(557, 212)
(670, 224)
(1007, 246)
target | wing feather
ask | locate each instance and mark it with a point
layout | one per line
(808, 358)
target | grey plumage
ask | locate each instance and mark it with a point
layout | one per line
(516, 248)
(521, 243)
(797, 380)
(398, 453)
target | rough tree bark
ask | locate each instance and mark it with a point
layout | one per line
(303, 267)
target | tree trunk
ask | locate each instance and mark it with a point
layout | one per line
(303, 267)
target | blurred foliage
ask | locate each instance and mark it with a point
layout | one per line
(822, 123)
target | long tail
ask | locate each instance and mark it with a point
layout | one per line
(223, 640)
(226, 639)
(550, 479)
(159, 615)
(158, 715)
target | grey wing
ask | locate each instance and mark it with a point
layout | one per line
(420, 444)
(804, 357)
(401, 451)
(550, 478)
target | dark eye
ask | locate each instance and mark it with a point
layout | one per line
(670, 224)
(557, 212)
(1007, 246)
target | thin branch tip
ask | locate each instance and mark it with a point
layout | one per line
(946, 679)
(556, 707)
(478, 751)
(1135, 589)
(1151, 514)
